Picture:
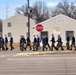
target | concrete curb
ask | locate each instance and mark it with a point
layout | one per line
(45, 53)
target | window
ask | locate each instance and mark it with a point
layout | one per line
(9, 34)
(26, 24)
(9, 24)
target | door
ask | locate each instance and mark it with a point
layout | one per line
(70, 34)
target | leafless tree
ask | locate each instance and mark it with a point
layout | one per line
(65, 7)
(22, 10)
(39, 11)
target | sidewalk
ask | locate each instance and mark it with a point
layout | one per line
(29, 53)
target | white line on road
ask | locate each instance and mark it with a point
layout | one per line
(14, 55)
(42, 58)
(9, 59)
(2, 55)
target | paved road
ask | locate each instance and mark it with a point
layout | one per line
(62, 64)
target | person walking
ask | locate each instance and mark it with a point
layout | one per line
(38, 40)
(3, 44)
(22, 42)
(28, 43)
(11, 43)
(34, 43)
(67, 42)
(1, 39)
(6, 42)
(53, 43)
(59, 44)
(73, 43)
(47, 44)
(44, 43)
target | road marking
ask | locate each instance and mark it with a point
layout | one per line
(9, 59)
(15, 55)
(2, 56)
(62, 58)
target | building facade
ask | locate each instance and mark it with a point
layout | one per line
(58, 25)
(17, 26)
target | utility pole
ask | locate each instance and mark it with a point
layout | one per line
(28, 19)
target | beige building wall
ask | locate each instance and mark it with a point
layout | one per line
(58, 25)
(18, 27)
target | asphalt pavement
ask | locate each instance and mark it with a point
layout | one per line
(47, 64)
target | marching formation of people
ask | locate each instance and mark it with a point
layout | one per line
(45, 43)
(27, 41)
(36, 43)
(4, 43)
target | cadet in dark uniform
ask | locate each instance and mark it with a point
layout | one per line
(6, 42)
(0, 41)
(28, 42)
(53, 43)
(46, 38)
(22, 42)
(34, 43)
(67, 42)
(59, 42)
(11, 43)
(73, 42)
(38, 40)
(44, 43)
(3, 44)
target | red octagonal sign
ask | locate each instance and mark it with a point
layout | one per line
(39, 27)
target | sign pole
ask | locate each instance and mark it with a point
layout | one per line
(28, 20)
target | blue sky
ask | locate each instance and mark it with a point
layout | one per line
(12, 4)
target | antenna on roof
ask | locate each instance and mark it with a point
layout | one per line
(7, 7)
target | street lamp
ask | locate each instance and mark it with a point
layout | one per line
(28, 19)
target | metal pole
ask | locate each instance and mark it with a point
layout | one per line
(28, 19)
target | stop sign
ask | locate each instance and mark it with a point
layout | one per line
(39, 27)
